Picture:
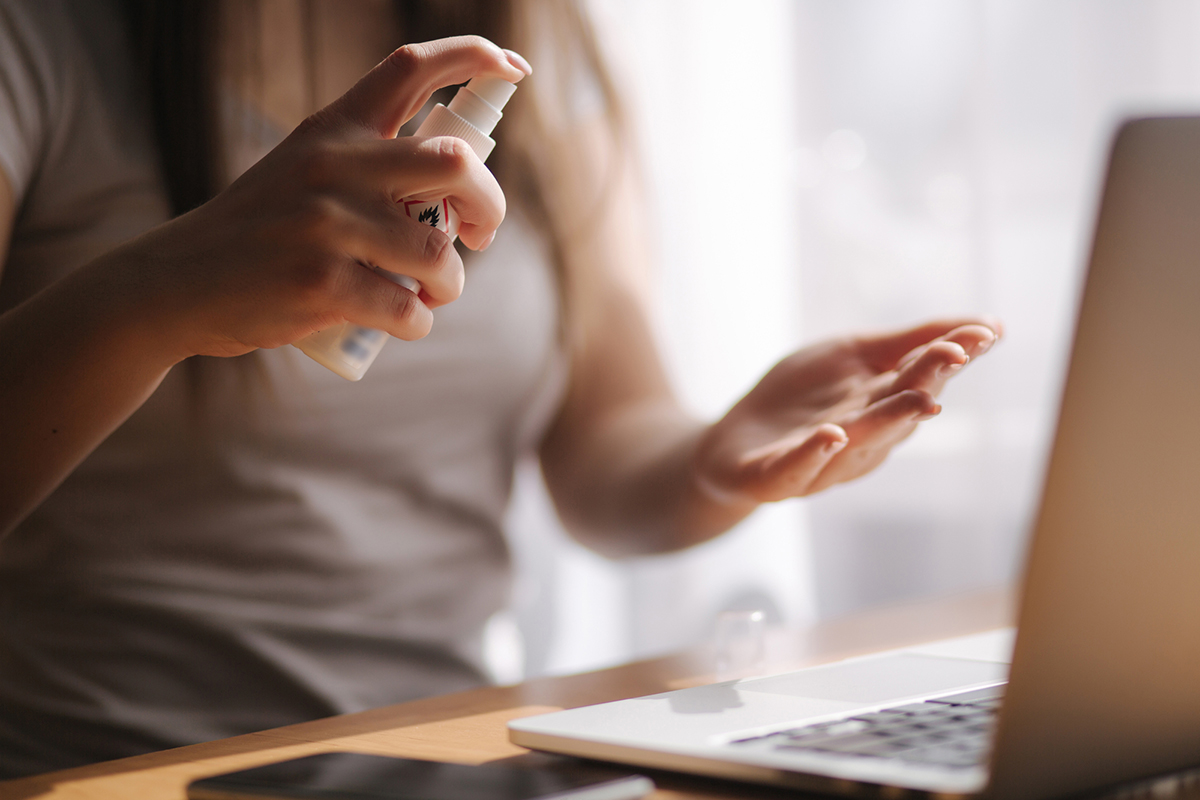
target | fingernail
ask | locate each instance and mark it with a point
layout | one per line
(928, 415)
(946, 370)
(488, 242)
(835, 446)
(518, 61)
(983, 347)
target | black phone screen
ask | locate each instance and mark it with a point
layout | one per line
(355, 776)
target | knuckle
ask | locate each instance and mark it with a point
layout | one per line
(407, 59)
(436, 255)
(453, 154)
(320, 218)
(404, 306)
(407, 310)
(487, 50)
(317, 280)
(912, 400)
(442, 267)
(317, 123)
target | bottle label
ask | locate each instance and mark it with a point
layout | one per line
(437, 214)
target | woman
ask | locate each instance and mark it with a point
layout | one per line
(199, 544)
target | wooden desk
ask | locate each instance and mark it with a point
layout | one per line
(469, 727)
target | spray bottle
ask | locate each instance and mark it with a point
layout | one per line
(349, 349)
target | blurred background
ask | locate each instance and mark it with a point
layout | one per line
(817, 167)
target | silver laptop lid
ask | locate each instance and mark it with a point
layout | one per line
(1105, 682)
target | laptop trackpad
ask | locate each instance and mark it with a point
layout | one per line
(880, 680)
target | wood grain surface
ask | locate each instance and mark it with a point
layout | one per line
(469, 727)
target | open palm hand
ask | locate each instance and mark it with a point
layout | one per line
(833, 411)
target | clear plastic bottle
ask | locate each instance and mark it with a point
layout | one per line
(349, 349)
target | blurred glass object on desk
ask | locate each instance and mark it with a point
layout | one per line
(739, 644)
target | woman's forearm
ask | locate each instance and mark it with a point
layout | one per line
(628, 487)
(75, 361)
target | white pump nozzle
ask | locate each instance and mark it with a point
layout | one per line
(480, 101)
(493, 91)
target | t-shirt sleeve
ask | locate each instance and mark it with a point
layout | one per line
(28, 88)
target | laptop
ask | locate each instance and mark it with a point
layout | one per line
(1104, 683)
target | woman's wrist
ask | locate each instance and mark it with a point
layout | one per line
(707, 509)
(115, 301)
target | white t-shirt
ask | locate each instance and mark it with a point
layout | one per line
(318, 548)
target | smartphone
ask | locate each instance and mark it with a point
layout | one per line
(355, 776)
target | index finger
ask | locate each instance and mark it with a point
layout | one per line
(396, 89)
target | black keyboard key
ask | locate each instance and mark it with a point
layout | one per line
(922, 740)
(951, 731)
(845, 744)
(897, 731)
(885, 748)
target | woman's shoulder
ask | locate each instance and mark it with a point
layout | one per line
(46, 46)
(74, 139)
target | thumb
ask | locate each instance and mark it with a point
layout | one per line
(790, 467)
(396, 89)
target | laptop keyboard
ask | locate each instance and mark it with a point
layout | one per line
(952, 731)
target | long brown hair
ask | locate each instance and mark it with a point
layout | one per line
(175, 44)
